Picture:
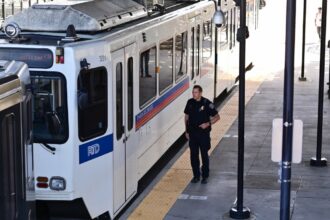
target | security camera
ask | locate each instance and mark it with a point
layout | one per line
(218, 18)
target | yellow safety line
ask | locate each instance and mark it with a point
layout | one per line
(164, 194)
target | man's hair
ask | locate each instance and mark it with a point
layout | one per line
(200, 89)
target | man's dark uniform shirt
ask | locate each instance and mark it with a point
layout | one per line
(199, 112)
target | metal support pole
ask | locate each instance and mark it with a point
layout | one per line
(318, 161)
(3, 10)
(13, 8)
(302, 76)
(329, 75)
(239, 211)
(288, 110)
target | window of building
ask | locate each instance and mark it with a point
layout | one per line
(148, 80)
(181, 55)
(207, 41)
(166, 65)
(92, 103)
(50, 119)
(130, 95)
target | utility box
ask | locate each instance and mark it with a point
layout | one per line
(17, 200)
(277, 134)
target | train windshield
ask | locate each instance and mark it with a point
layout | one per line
(50, 123)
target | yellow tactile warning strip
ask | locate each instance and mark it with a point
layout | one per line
(164, 194)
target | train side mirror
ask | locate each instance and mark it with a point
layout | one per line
(53, 123)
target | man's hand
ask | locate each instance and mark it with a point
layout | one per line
(205, 125)
(187, 135)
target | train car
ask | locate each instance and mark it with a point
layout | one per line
(16, 152)
(110, 82)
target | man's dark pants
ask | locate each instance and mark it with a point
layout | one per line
(199, 141)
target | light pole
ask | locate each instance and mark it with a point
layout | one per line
(288, 111)
(302, 76)
(318, 161)
(239, 211)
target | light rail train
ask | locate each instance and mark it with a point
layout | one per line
(109, 85)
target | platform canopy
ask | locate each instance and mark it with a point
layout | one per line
(89, 16)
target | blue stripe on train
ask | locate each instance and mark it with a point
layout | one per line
(159, 101)
(95, 148)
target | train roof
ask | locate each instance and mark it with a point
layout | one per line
(85, 15)
(53, 37)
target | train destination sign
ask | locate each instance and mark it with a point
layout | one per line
(34, 58)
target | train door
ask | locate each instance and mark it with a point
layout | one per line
(125, 161)
(9, 139)
(16, 177)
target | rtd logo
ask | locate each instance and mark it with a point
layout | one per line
(93, 149)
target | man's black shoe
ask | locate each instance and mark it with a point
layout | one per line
(148, 75)
(195, 180)
(204, 181)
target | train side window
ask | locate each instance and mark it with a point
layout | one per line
(148, 80)
(197, 50)
(166, 65)
(192, 52)
(181, 55)
(130, 95)
(207, 41)
(230, 23)
(92, 103)
(119, 101)
(224, 34)
(50, 117)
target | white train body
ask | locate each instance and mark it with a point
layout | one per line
(99, 125)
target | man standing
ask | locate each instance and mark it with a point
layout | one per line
(318, 21)
(200, 114)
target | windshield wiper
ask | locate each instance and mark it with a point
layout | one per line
(52, 149)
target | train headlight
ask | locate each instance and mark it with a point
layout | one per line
(57, 183)
(12, 30)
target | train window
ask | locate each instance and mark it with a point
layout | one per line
(198, 33)
(192, 52)
(181, 55)
(224, 34)
(50, 121)
(119, 101)
(148, 80)
(92, 103)
(207, 41)
(231, 30)
(130, 94)
(166, 65)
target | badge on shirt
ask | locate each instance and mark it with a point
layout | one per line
(201, 108)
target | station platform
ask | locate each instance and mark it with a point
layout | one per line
(173, 197)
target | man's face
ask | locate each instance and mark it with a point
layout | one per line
(196, 94)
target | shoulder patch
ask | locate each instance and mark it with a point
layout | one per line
(211, 106)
